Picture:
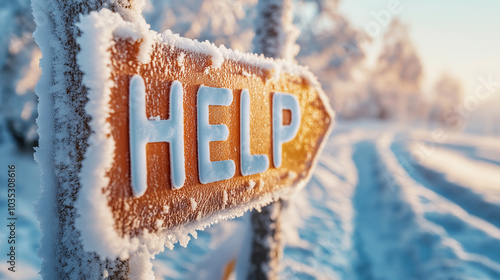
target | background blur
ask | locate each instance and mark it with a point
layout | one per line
(421, 62)
(396, 73)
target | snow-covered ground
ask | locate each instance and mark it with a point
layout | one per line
(385, 202)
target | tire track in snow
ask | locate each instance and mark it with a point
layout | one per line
(475, 235)
(472, 152)
(393, 232)
(471, 201)
(468, 234)
(319, 218)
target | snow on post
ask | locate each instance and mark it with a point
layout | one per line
(64, 134)
(275, 37)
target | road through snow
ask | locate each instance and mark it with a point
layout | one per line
(396, 221)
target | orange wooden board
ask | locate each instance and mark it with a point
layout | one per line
(162, 207)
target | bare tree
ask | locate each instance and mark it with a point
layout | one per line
(396, 81)
(448, 95)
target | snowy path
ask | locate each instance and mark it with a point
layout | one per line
(400, 226)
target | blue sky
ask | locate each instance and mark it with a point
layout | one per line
(459, 37)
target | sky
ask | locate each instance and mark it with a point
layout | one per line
(458, 37)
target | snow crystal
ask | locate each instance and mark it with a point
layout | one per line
(159, 223)
(180, 60)
(184, 240)
(198, 216)
(291, 175)
(130, 10)
(217, 59)
(137, 31)
(194, 234)
(194, 204)
(251, 184)
(141, 266)
(224, 197)
(261, 183)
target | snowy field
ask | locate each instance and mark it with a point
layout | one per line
(385, 202)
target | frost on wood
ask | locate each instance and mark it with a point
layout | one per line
(64, 133)
(120, 236)
(96, 39)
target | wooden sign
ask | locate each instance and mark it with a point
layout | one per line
(199, 132)
(192, 140)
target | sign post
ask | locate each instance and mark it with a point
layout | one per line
(275, 37)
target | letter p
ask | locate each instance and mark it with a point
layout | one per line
(284, 133)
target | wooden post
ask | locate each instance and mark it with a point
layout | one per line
(275, 37)
(64, 132)
(266, 244)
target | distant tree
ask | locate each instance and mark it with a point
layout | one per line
(448, 95)
(396, 80)
(485, 120)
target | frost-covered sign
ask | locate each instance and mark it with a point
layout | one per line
(186, 133)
